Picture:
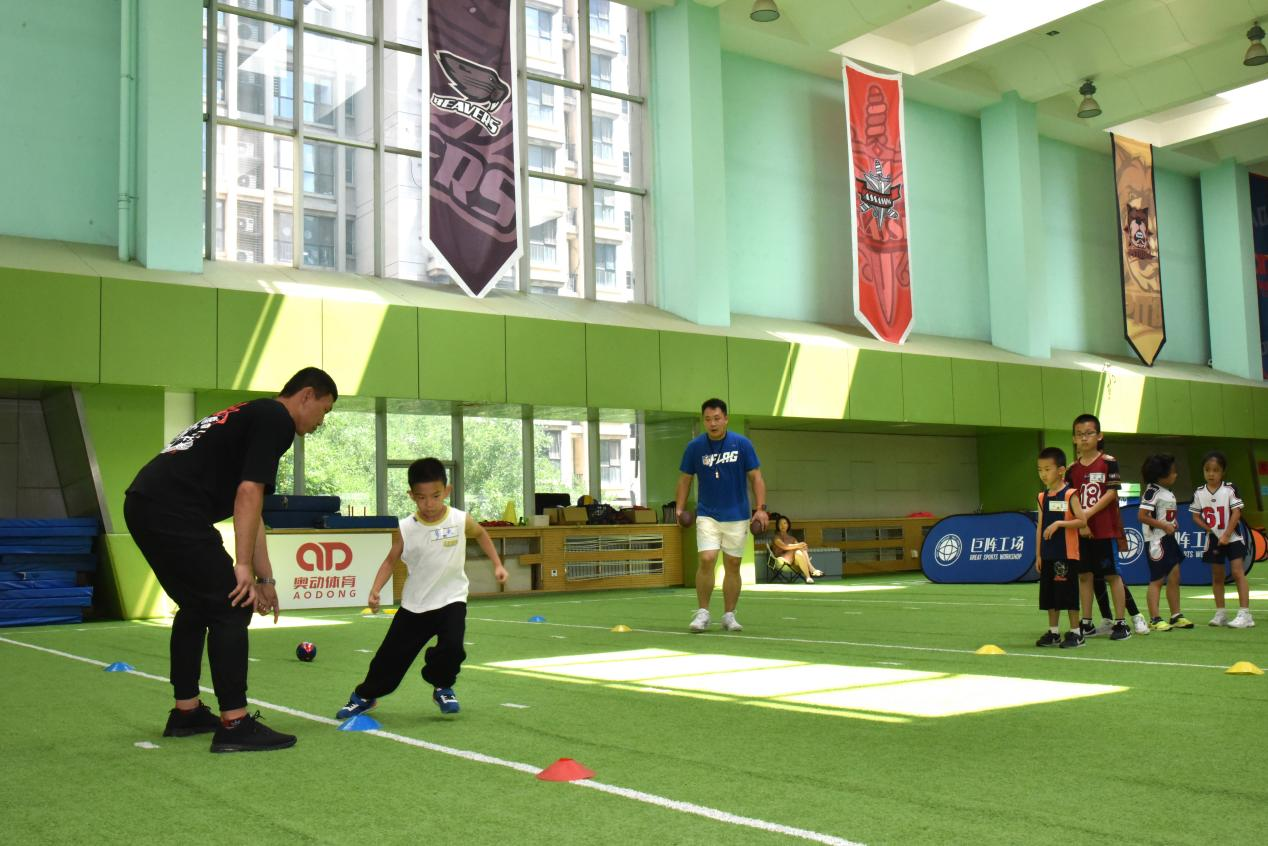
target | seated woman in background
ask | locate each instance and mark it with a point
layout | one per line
(792, 550)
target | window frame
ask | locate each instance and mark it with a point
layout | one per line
(310, 90)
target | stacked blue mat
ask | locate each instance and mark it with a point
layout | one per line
(41, 562)
(285, 511)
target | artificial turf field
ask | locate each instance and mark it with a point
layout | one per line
(845, 712)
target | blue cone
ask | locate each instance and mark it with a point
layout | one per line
(119, 667)
(361, 722)
(537, 618)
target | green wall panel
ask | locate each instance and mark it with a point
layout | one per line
(1207, 402)
(975, 392)
(461, 356)
(1175, 412)
(263, 339)
(126, 428)
(876, 391)
(50, 326)
(1020, 396)
(1062, 396)
(1093, 384)
(622, 367)
(927, 389)
(130, 589)
(693, 368)
(371, 350)
(1259, 406)
(1147, 421)
(545, 362)
(1239, 416)
(757, 370)
(1006, 470)
(157, 334)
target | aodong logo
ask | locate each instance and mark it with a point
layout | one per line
(327, 555)
(948, 550)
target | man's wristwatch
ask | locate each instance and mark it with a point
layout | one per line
(268, 581)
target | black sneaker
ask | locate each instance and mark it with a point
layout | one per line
(250, 735)
(1087, 630)
(1120, 632)
(1049, 639)
(1073, 640)
(185, 723)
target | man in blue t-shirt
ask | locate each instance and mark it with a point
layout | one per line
(725, 465)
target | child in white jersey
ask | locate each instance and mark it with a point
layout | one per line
(433, 544)
(1158, 526)
(1217, 509)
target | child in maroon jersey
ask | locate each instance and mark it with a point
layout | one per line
(1096, 477)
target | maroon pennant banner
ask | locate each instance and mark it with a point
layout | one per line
(470, 216)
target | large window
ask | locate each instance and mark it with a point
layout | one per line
(290, 102)
(363, 451)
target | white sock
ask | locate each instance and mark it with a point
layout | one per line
(1054, 629)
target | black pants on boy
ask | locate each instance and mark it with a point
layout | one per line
(406, 637)
(1103, 601)
(190, 562)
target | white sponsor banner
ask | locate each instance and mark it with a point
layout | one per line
(328, 569)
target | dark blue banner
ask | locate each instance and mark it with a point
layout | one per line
(980, 549)
(1259, 226)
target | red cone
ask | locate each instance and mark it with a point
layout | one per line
(565, 769)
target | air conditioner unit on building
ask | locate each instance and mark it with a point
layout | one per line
(246, 255)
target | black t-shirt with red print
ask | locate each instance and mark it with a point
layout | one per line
(198, 473)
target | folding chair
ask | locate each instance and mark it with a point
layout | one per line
(778, 570)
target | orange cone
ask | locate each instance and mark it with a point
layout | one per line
(565, 769)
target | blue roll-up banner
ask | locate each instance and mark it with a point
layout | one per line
(1259, 234)
(980, 549)
(1000, 548)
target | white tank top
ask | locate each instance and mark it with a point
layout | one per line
(435, 555)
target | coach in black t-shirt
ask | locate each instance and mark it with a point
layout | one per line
(220, 467)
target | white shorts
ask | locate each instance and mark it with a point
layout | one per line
(728, 537)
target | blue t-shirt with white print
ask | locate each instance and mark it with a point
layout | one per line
(721, 468)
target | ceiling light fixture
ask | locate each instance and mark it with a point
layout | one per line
(1255, 53)
(1089, 108)
(765, 11)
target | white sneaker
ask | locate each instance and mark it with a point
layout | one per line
(1140, 624)
(730, 623)
(1104, 628)
(1220, 618)
(700, 622)
(1243, 620)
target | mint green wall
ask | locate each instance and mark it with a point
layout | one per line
(1229, 253)
(948, 222)
(686, 116)
(787, 192)
(1084, 281)
(169, 133)
(788, 202)
(1183, 269)
(60, 101)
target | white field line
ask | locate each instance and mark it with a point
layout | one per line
(528, 769)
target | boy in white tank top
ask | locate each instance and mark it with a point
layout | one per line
(432, 543)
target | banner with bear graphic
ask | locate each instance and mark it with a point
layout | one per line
(470, 214)
(878, 178)
(1138, 247)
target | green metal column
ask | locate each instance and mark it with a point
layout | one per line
(169, 211)
(1231, 304)
(1014, 227)
(686, 114)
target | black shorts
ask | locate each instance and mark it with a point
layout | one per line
(1059, 586)
(1224, 552)
(1098, 556)
(1164, 555)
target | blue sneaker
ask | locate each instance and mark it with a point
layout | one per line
(356, 705)
(446, 700)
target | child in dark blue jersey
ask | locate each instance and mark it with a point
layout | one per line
(1057, 545)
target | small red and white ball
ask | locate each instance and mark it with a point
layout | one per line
(306, 651)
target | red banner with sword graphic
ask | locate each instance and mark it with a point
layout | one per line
(878, 174)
